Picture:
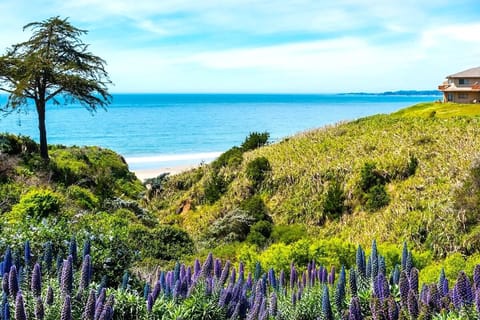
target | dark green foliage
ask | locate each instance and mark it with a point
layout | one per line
(333, 205)
(256, 208)
(288, 233)
(17, 145)
(214, 187)
(370, 177)
(372, 185)
(259, 233)
(257, 170)
(163, 242)
(230, 158)
(255, 140)
(376, 198)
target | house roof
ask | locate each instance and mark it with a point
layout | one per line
(469, 73)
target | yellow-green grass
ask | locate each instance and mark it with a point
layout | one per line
(439, 110)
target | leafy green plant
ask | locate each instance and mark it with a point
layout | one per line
(257, 170)
(255, 140)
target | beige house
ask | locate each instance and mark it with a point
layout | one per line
(462, 87)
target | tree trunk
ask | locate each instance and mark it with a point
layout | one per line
(43, 130)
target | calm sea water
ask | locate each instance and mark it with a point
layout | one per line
(159, 130)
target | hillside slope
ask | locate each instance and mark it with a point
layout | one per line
(424, 164)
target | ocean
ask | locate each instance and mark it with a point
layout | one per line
(164, 130)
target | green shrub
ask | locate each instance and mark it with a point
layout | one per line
(370, 177)
(259, 233)
(163, 243)
(257, 170)
(255, 207)
(255, 140)
(38, 203)
(15, 145)
(214, 187)
(230, 158)
(288, 233)
(333, 203)
(376, 198)
(82, 197)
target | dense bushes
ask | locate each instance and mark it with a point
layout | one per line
(257, 170)
(372, 185)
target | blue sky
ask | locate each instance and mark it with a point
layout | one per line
(302, 46)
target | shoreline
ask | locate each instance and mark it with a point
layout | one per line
(143, 174)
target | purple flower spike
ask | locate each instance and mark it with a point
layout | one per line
(85, 272)
(66, 309)
(89, 311)
(67, 276)
(354, 310)
(36, 284)
(49, 299)
(20, 313)
(39, 309)
(13, 286)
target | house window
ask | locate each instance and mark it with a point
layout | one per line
(462, 81)
(462, 96)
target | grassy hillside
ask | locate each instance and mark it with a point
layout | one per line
(406, 176)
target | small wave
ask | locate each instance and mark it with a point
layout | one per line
(173, 157)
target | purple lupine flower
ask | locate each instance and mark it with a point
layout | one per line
(89, 311)
(339, 295)
(217, 268)
(304, 279)
(6, 311)
(196, 268)
(331, 276)
(48, 255)
(368, 269)
(67, 276)
(392, 309)
(352, 281)
(404, 288)
(293, 276)
(413, 280)
(360, 261)
(225, 296)
(5, 283)
(183, 272)
(464, 289)
(324, 275)
(424, 294)
(224, 275)
(381, 289)
(20, 313)
(150, 302)
(85, 272)
(7, 261)
(249, 283)
(107, 313)
(66, 313)
(441, 279)
(271, 278)
(207, 267)
(39, 311)
(176, 272)
(412, 304)
(13, 286)
(49, 299)
(100, 302)
(258, 271)
(396, 275)
(476, 277)
(273, 306)
(188, 276)
(146, 290)
(282, 280)
(233, 276)
(258, 299)
(263, 312)
(36, 284)
(409, 263)
(355, 312)
(326, 307)
(176, 290)
(294, 298)
(456, 300)
(376, 309)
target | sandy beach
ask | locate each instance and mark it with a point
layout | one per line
(143, 174)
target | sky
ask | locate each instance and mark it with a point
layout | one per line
(266, 46)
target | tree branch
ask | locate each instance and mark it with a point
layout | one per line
(53, 94)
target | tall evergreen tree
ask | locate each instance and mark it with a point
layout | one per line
(54, 65)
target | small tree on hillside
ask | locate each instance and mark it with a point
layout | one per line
(53, 65)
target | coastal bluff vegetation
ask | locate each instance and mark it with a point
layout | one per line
(410, 178)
